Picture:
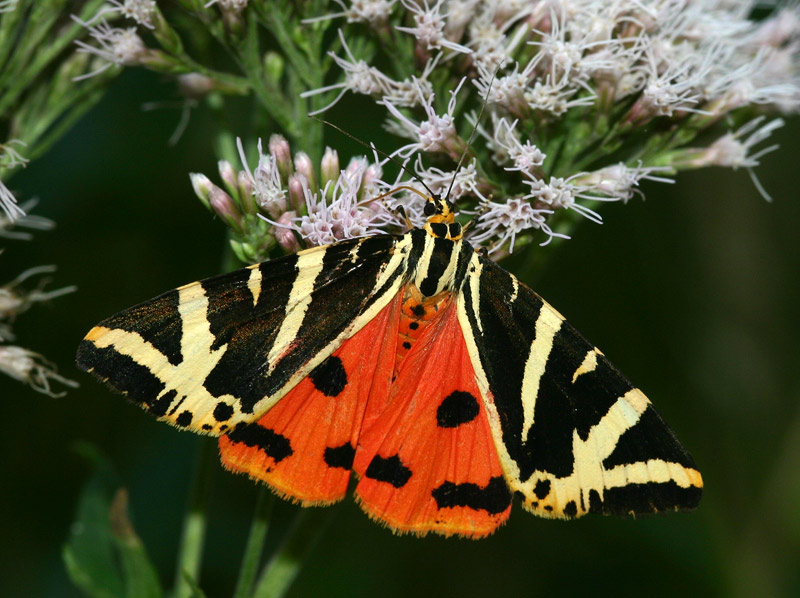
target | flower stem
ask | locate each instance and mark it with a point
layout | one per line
(193, 535)
(265, 501)
(281, 571)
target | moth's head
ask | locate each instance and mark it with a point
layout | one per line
(441, 218)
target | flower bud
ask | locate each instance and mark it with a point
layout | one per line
(225, 208)
(202, 186)
(329, 169)
(195, 85)
(228, 175)
(245, 185)
(282, 154)
(297, 187)
(303, 165)
(284, 234)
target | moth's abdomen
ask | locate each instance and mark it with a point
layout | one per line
(416, 314)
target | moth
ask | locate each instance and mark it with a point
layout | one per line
(415, 362)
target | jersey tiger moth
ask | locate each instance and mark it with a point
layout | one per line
(445, 384)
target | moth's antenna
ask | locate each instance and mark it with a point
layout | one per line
(381, 152)
(474, 130)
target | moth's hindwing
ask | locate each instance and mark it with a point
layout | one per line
(573, 434)
(218, 352)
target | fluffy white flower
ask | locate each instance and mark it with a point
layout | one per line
(429, 26)
(121, 47)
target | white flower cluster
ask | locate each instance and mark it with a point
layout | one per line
(298, 202)
(115, 46)
(17, 362)
(10, 211)
(585, 99)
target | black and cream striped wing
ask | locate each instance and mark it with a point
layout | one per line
(217, 352)
(573, 434)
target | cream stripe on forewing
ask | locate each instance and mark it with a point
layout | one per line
(254, 282)
(589, 454)
(309, 266)
(398, 260)
(547, 325)
(588, 365)
(196, 337)
(603, 437)
(510, 467)
(515, 292)
(198, 358)
(474, 281)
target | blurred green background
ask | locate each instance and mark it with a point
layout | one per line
(693, 293)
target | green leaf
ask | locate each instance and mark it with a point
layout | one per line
(196, 592)
(139, 575)
(104, 556)
(89, 552)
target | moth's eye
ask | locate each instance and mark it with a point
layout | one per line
(429, 209)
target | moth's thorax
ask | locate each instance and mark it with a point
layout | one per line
(416, 314)
(437, 265)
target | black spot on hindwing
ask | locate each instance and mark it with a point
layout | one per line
(329, 377)
(459, 407)
(184, 419)
(340, 456)
(388, 469)
(493, 498)
(253, 435)
(570, 509)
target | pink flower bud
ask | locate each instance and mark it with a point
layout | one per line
(281, 153)
(303, 165)
(228, 176)
(284, 233)
(297, 186)
(201, 185)
(245, 184)
(329, 166)
(225, 208)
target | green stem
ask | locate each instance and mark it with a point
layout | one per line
(190, 551)
(255, 543)
(281, 571)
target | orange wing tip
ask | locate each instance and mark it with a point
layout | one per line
(95, 333)
(440, 526)
(695, 479)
